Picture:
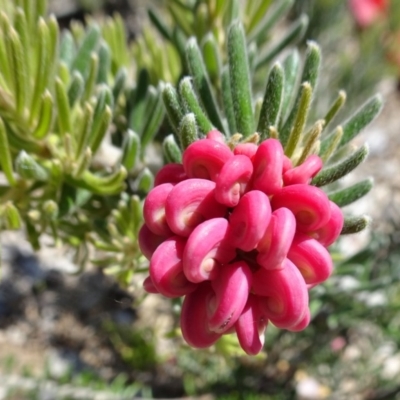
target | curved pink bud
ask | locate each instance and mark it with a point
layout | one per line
(331, 230)
(309, 204)
(231, 288)
(154, 209)
(232, 180)
(287, 164)
(148, 241)
(166, 270)
(246, 149)
(303, 323)
(216, 135)
(205, 158)
(311, 258)
(194, 324)
(277, 239)
(303, 173)
(206, 249)
(283, 294)
(251, 325)
(190, 203)
(268, 166)
(149, 287)
(249, 220)
(170, 173)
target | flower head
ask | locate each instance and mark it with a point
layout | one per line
(366, 12)
(242, 235)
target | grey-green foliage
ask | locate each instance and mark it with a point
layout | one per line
(284, 112)
(62, 94)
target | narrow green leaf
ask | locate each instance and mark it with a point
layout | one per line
(310, 141)
(75, 89)
(84, 161)
(257, 14)
(154, 120)
(11, 216)
(361, 118)
(335, 107)
(291, 67)
(91, 80)
(45, 117)
(300, 119)
(211, 57)
(227, 100)
(21, 26)
(119, 83)
(145, 181)
(5, 155)
(137, 102)
(271, 105)
(202, 83)
(294, 34)
(310, 75)
(28, 168)
(98, 134)
(84, 130)
(171, 150)
(232, 12)
(240, 79)
(82, 60)
(67, 48)
(349, 195)
(188, 130)
(330, 144)
(271, 18)
(104, 63)
(18, 63)
(192, 105)
(64, 112)
(159, 24)
(130, 150)
(42, 68)
(355, 224)
(337, 171)
(172, 106)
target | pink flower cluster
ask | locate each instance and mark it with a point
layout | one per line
(242, 235)
(366, 12)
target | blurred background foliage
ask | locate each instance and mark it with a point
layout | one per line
(109, 67)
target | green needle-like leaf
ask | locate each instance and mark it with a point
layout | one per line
(91, 80)
(335, 107)
(192, 105)
(45, 117)
(273, 16)
(202, 83)
(294, 34)
(337, 171)
(84, 130)
(171, 150)
(119, 83)
(11, 216)
(188, 130)
(350, 194)
(5, 155)
(99, 130)
(82, 60)
(145, 181)
(309, 75)
(227, 101)
(330, 144)
(28, 168)
(291, 67)
(174, 109)
(159, 24)
(104, 63)
(130, 150)
(361, 118)
(355, 224)
(67, 48)
(272, 101)
(300, 119)
(240, 79)
(64, 112)
(211, 56)
(75, 89)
